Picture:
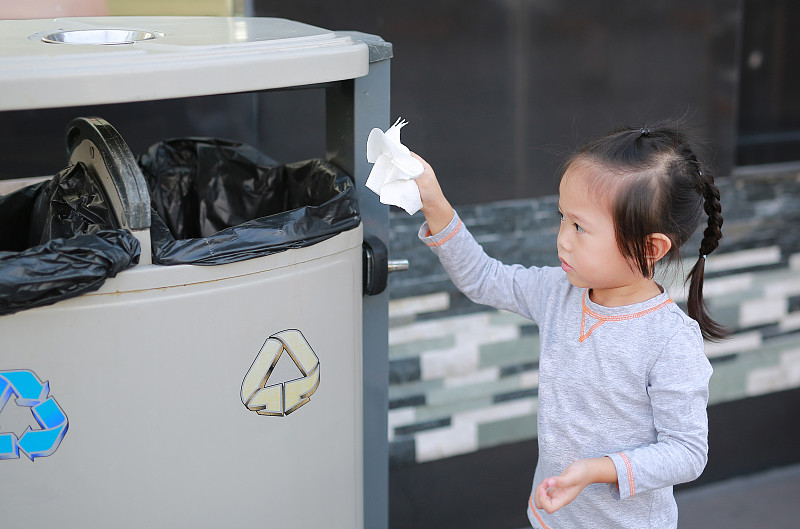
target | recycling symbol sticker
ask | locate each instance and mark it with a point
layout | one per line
(283, 398)
(29, 391)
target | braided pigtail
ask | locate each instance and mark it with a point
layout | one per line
(711, 235)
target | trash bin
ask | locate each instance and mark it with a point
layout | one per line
(224, 395)
(171, 376)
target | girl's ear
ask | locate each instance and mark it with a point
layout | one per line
(658, 245)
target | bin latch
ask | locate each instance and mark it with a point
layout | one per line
(377, 265)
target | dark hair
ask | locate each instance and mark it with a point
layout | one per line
(659, 186)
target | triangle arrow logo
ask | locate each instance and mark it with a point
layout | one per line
(283, 398)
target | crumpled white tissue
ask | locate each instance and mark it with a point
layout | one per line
(392, 176)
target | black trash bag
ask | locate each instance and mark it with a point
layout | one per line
(217, 202)
(59, 242)
(15, 216)
(70, 204)
(63, 268)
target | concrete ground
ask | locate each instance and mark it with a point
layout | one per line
(767, 500)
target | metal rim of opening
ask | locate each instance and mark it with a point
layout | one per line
(100, 36)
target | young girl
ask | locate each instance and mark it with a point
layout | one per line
(623, 377)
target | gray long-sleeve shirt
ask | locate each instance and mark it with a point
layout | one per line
(630, 383)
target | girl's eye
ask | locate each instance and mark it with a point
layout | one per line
(578, 228)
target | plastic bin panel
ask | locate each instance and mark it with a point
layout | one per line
(151, 379)
(191, 56)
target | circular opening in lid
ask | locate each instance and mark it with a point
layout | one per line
(100, 36)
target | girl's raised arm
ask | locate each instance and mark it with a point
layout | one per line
(437, 210)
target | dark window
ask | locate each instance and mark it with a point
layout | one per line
(769, 100)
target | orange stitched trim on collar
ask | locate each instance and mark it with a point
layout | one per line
(603, 319)
(449, 236)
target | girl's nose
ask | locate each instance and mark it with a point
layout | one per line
(562, 241)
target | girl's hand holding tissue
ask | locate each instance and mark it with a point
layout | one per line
(392, 176)
(403, 179)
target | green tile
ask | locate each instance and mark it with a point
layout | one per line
(419, 387)
(729, 381)
(728, 315)
(507, 431)
(769, 277)
(508, 318)
(523, 350)
(430, 412)
(412, 349)
(401, 321)
(733, 300)
(471, 392)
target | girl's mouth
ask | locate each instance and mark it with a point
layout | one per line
(565, 267)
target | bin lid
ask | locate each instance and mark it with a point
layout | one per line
(96, 60)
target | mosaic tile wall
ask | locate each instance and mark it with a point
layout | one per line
(465, 377)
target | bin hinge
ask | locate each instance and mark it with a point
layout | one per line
(378, 266)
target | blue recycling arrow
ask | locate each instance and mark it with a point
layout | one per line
(31, 392)
(9, 449)
(26, 385)
(41, 443)
(5, 392)
(49, 415)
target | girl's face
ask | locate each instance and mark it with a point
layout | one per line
(587, 246)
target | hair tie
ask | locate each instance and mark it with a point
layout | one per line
(645, 131)
(703, 257)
